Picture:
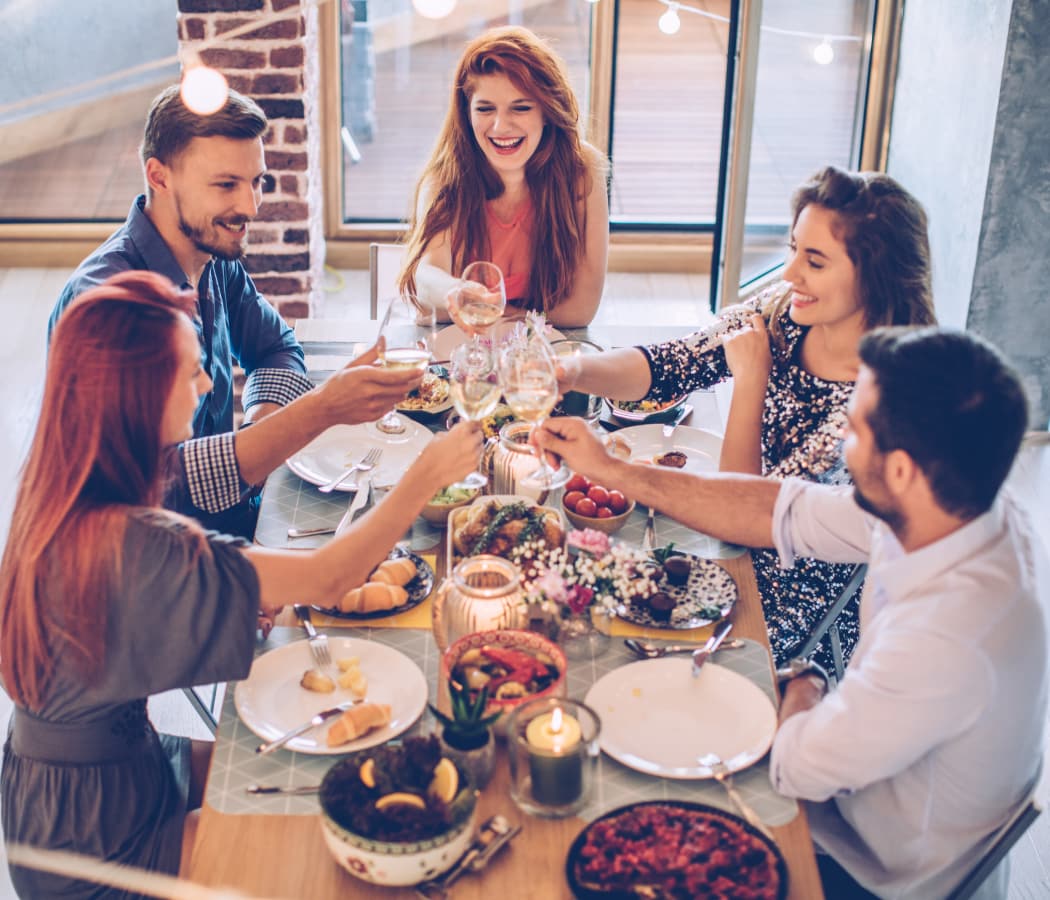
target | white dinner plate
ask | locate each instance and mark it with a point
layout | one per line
(659, 719)
(271, 702)
(448, 339)
(701, 448)
(334, 451)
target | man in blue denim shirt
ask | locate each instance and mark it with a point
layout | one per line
(204, 178)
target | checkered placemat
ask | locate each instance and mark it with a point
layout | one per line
(235, 764)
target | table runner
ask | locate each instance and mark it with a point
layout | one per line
(235, 765)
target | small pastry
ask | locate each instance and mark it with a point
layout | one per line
(661, 605)
(372, 596)
(394, 571)
(316, 680)
(677, 569)
(358, 721)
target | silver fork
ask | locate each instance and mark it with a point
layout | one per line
(318, 642)
(723, 776)
(367, 464)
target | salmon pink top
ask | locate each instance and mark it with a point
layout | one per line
(510, 248)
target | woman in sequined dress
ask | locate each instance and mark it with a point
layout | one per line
(859, 258)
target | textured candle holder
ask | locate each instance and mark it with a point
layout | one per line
(552, 783)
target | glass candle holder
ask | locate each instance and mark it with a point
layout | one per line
(483, 594)
(512, 461)
(553, 749)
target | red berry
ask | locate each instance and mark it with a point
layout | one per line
(572, 498)
(578, 483)
(604, 512)
(587, 507)
(618, 502)
(599, 495)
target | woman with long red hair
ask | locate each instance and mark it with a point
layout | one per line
(512, 182)
(106, 598)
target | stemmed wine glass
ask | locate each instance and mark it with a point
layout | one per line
(408, 331)
(528, 375)
(479, 298)
(475, 389)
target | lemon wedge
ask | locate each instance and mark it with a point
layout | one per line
(400, 798)
(367, 773)
(445, 782)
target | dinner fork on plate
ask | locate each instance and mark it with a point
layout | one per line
(318, 642)
(367, 464)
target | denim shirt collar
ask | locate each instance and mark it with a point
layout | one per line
(147, 240)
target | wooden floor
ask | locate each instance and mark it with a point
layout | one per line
(26, 297)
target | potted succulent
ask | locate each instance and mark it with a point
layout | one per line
(467, 733)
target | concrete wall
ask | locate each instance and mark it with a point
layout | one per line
(1010, 303)
(944, 112)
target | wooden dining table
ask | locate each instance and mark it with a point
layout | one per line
(284, 856)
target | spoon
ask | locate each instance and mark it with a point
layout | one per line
(651, 651)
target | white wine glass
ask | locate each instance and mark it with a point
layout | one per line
(408, 332)
(479, 298)
(528, 375)
(475, 389)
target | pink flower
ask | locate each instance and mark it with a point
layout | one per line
(580, 598)
(551, 586)
(591, 541)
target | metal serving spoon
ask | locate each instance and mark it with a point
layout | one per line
(652, 651)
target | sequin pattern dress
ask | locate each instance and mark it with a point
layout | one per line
(802, 424)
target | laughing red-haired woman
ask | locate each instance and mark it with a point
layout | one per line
(512, 182)
(106, 598)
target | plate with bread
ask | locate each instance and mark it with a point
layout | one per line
(285, 689)
(398, 583)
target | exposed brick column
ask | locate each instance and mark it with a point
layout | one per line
(278, 66)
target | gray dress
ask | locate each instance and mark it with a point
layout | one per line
(88, 772)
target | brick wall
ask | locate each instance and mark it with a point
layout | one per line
(277, 65)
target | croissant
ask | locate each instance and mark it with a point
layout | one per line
(372, 596)
(358, 721)
(394, 571)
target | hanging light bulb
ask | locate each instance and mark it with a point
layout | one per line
(823, 53)
(669, 22)
(592, 1)
(204, 90)
(434, 9)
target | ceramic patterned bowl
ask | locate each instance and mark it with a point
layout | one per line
(511, 639)
(393, 863)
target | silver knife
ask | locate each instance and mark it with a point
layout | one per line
(363, 495)
(704, 653)
(319, 719)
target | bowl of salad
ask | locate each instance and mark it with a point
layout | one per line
(444, 501)
(636, 411)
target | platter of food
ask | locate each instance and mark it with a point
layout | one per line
(645, 410)
(658, 719)
(432, 396)
(689, 449)
(692, 592)
(284, 689)
(491, 424)
(331, 453)
(402, 581)
(497, 524)
(672, 849)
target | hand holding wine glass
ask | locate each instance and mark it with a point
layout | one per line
(478, 301)
(407, 333)
(475, 390)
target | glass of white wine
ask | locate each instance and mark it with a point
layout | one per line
(479, 298)
(475, 390)
(408, 332)
(528, 375)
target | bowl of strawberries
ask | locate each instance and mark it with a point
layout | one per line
(588, 504)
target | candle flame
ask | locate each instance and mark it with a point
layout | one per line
(556, 720)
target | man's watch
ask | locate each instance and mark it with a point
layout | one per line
(798, 668)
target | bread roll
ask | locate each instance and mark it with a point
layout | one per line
(357, 721)
(316, 680)
(394, 571)
(373, 596)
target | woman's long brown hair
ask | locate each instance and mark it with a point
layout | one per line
(459, 179)
(884, 230)
(96, 454)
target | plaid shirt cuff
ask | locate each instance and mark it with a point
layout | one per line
(212, 476)
(280, 386)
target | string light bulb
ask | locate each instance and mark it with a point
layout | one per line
(434, 9)
(669, 22)
(204, 90)
(823, 53)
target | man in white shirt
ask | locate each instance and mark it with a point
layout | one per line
(935, 734)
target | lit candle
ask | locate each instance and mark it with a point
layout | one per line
(554, 758)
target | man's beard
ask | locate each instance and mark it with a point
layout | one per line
(891, 517)
(197, 235)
